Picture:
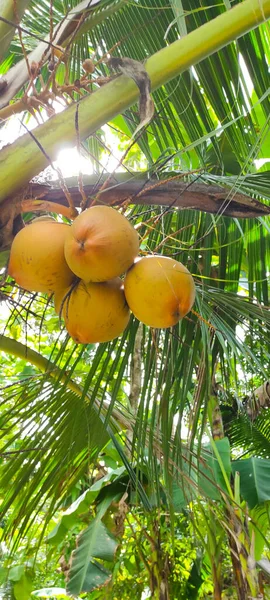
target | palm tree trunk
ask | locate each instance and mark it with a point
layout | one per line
(240, 581)
(258, 400)
(242, 556)
(216, 581)
(24, 158)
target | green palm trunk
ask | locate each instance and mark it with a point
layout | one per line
(24, 159)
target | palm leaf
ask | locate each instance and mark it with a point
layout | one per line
(252, 437)
(61, 431)
(10, 15)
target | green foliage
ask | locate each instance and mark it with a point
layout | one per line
(204, 476)
(85, 573)
(254, 479)
(215, 467)
(259, 527)
(134, 494)
(81, 505)
(254, 436)
(51, 593)
(22, 588)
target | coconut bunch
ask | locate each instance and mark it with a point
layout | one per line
(82, 265)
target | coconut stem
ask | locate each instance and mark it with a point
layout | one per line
(37, 205)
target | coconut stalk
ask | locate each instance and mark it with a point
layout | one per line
(12, 11)
(142, 190)
(25, 158)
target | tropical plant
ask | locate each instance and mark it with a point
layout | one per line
(115, 453)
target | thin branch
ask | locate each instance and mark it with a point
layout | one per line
(58, 171)
(24, 30)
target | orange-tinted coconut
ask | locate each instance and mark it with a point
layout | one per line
(159, 290)
(94, 312)
(37, 261)
(101, 244)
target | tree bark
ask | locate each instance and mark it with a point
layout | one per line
(240, 581)
(141, 190)
(258, 400)
(216, 581)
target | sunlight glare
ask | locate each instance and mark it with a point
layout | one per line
(70, 163)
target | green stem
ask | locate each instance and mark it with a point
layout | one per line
(222, 468)
(18, 349)
(20, 161)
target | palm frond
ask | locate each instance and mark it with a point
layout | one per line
(212, 119)
(251, 437)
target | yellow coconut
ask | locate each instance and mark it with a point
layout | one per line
(101, 244)
(159, 290)
(37, 261)
(94, 312)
